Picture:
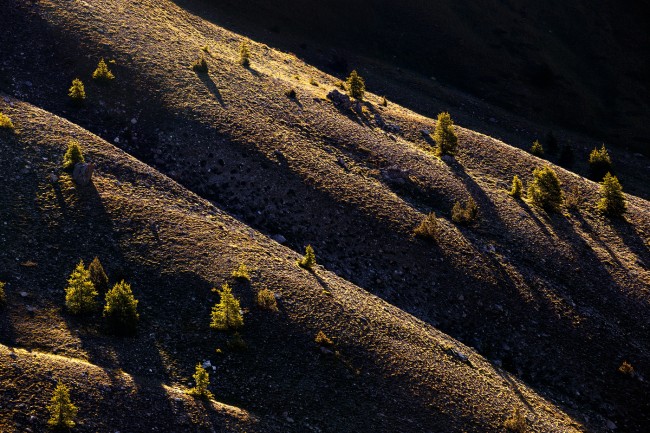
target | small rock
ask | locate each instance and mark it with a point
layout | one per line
(611, 425)
(54, 178)
(23, 294)
(207, 364)
(325, 351)
(134, 121)
(83, 173)
(425, 132)
(339, 99)
(279, 239)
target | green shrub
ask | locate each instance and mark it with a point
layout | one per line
(72, 155)
(445, 136)
(226, 315)
(612, 200)
(5, 122)
(546, 190)
(323, 340)
(121, 308)
(537, 149)
(599, 163)
(517, 187)
(200, 65)
(241, 273)
(309, 260)
(356, 86)
(98, 276)
(80, 295)
(77, 91)
(516, 422)
(62, 411)
(202, 380)
(244, 54)
(266, 300)
(102, 73)
(3, 296)
(464, 214)
(428, 227)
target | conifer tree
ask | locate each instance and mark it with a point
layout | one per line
(444, 135)
(121, 309)
(241, 273)
(72, 155)
(98, 276)
(612, 200)
(356, 85)
(537, 149)
(309, 260)
(546, 189)
(5, 122)
(62, 411)
(202, 380)
(517, 186)
(599, 163)
(226, 315)
(80, 294)
(102, 72)
(77, 92)
(244, 54)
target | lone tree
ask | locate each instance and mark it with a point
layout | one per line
(226, 315)
(537, 149)
(62, 411)
(546, 189)
(202, 380)
(80, 294)
(102, 73)
(244, 54)
(356, 85)
(309, 260)
(77, 91)
(599, 163)
(98, 276)
(517, 186)
(612, 200)
(444, 135)
(121, 309)
(72, 155)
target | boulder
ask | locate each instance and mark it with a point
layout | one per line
(83, 173)
(339, 99)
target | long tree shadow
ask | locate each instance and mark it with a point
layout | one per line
(209, 83)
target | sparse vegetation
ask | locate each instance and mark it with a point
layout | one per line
(241, 273)
(323, 340)
(573, 200)
(77, 91)
(201, 380)
(226, 315)
(266, 300)
(445, 136)
(517, 187)
(62, 411)
(3, 295)
(599, 163)
(464, 214)
(102, 73)
(537, 149)
(98, 276)
(428, 228)
(546, 190)
(80, 294)
(200, 65)
(612, 200)
(627, 369)
(356, 85)
(5, 122)
(309, 260)
(205, 49)
(121, 308)
(516, 422)
(244, 54)
(73, 155)
(313, 82)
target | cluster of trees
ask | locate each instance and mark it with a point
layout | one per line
(77, 91)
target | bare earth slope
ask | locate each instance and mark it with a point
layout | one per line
(558, 300)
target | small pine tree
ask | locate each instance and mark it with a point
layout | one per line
(517, 186)
(428, 227)
(546, 189)
(356, 85)
(537, 149)
(77, 92)
(62, 411)
(72, 155)
(102, 73)
(121, 309)
(464, 214)
(226, 315)
(3, 296)
(5, 122)
(599, 163)
(266, 300)
(566, 157)
(202, 380)
(444, 135)
(200, 65)
(309, 260)
(241, 273)
(244, 54)
(612, 200)
(98, 276)
(80, 295)
(323, 340)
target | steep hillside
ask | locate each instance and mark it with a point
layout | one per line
(558, 300)
(391, 372)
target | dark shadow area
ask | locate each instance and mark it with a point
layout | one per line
(206, 79)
